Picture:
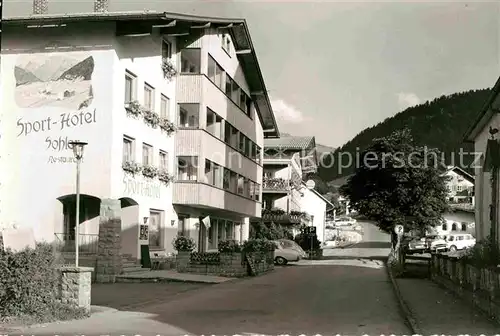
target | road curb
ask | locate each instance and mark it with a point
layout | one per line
(403, 305)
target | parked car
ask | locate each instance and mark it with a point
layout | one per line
(416, 245)
(345, 221)
(459, 241)
(435, 243)
(283, 255)
(287, 243)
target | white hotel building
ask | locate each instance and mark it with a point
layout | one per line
(67, 77)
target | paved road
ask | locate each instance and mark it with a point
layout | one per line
(375, 244)
(348, 297)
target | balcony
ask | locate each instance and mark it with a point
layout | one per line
(280, 216)
(201, 195)
(275, 185)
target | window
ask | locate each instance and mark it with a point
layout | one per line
(187, 168)
(451, 238)
(246, 188)
(229, 230)
(248, 147)
(244, 102)
(444, 227)
(214, 72)
(214, 124)
(258, 153)
(241, 180)
(251, 189)
(190, 61)
(189, 115)
(234, 137)
(233, 181)
(226, 184)
(221, 230)
(166, 49)
(226, 43)
(164, 107)
(128, 145)
(213, 174)
(454, 227)
(242, 141)
(209, 174)
(459, 188)
(129, 87)
(149, 97)
(163, 161)
(147, 152)
(154, 229)
(464, 226)
(257, 192)
(235, 93)
(460, 238)
(227, 133)
(253, 152)
(217, 175)
(229, 85)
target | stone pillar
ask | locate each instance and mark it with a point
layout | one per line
(75, 286)
(40, 6)
(245, 229)
(109, 260)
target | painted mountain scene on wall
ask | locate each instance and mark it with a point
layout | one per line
(59, 80)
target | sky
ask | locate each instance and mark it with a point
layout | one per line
(335, 68)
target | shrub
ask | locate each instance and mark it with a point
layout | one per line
(183, 244)
(483, 254)
(307, 242)
(229, 246)
(29, 286)
(258, 245)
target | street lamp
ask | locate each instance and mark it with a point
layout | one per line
(78, 147)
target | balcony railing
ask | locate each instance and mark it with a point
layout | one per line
(463, 206)
(275, 184)
(282, 217)
(88, 243)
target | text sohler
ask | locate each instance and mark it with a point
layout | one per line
(66, 120)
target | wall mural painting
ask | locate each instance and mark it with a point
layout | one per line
(61, 84)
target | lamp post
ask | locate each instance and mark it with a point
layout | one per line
(78, 147)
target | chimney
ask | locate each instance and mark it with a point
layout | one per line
(40, 6)
(101, 5)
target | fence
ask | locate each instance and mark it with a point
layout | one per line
(88, 243)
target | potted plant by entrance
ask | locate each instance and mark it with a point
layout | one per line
(184, 246)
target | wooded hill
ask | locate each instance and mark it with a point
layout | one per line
(440, 123)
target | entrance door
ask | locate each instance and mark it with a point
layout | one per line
(154, 229)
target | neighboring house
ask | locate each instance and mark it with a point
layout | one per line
(460, 186)
(279, 151)
(313, 203)
(67, 77)
(487, 145)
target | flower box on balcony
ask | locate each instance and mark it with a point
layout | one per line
(133, 109)
(168, 68)
(151, 118)
(131, 167)
(167, 126)
(165, 177)
(149, 171)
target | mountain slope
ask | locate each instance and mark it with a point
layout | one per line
(440, 124)
(24, 77)
(81, 70)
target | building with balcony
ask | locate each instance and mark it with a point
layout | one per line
(460, 186)
(141, 89)
(484, 134)
(223, 114)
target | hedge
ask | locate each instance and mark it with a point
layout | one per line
(29, 286)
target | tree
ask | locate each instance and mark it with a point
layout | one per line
(398, 182)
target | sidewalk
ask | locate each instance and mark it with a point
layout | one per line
(437, 311)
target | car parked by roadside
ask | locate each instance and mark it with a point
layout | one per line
(283, 255)
(435, 243)
(417, 245)
(459, 241)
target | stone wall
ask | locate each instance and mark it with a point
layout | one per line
(83, 260)
(478, 286)
(109, 260)
(232, 265)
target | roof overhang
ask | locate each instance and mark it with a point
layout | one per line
(140, 23)
(487, 112)
(462, 172)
